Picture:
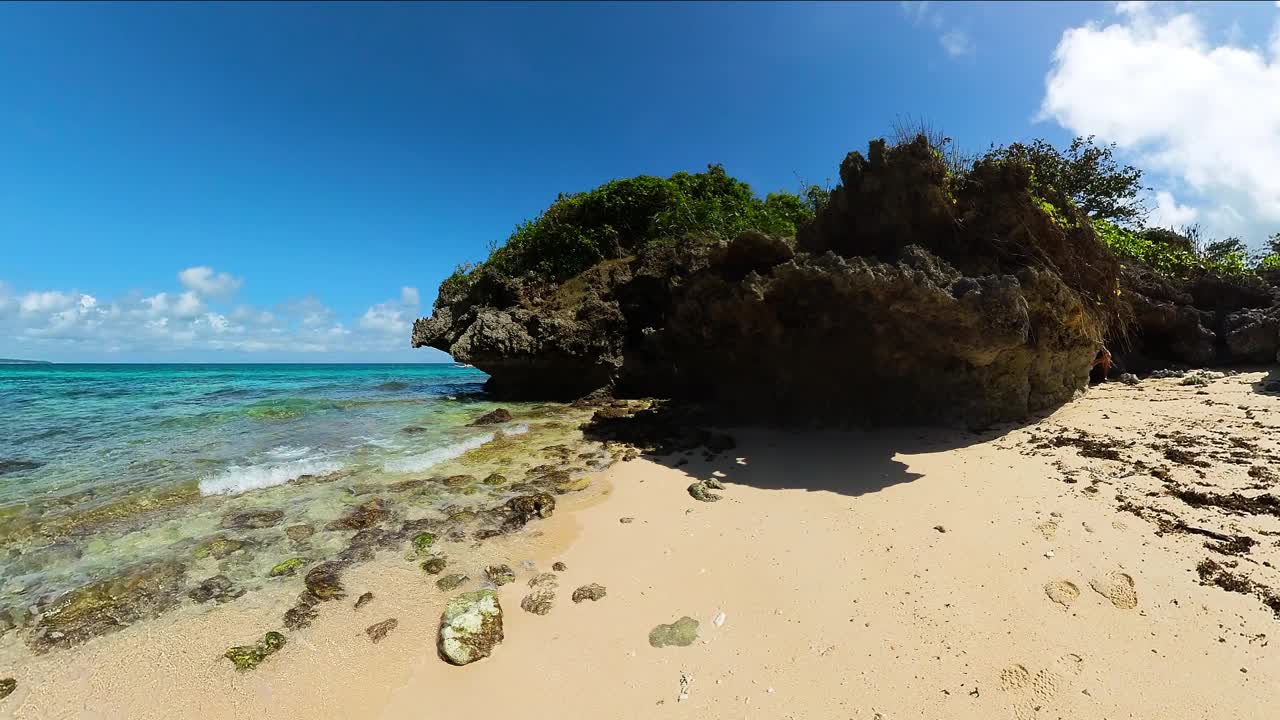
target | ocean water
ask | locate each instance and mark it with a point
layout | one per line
(105, 466)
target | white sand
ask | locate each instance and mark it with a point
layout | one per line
(841, 599)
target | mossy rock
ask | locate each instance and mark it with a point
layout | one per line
(574, 485)
(681, 633)
(287, 568)
(365, 515)
(422, 542)
(591, 592)
(500, 574)
(456, 481)
(435, 565)
(470, 627)
(137, 592)
(298, 533)
(463, 517)
(495, 479)
(451, 581)
(248, 657)
(255, 519)
(218, 547)
(324, 580)
(702, 491)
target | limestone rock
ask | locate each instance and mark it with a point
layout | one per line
(589, 592)
(470, 627)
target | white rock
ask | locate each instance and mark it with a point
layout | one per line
(718, 620)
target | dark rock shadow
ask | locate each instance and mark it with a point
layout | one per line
(1269, 384)
(849, 462)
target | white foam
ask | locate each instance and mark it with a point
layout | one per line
(431, 458)
(517, 429)
(287, 452)
(242, 478)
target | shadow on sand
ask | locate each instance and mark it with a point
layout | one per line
(853, 462)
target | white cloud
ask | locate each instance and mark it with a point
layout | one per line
(202, 279)
(48, 301)
(71, 322)
(1167, 213)
(955, 41)
(393, 318)
(1201, 118)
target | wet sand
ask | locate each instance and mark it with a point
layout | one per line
(1025, 572)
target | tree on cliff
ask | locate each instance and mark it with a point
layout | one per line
(1086, 174)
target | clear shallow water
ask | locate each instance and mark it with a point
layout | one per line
(103, 466)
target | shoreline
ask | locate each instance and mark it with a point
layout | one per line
(896, 573)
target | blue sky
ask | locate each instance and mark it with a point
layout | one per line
(290, 182)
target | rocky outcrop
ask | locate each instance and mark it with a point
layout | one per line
(1211, 320)
(907, 299)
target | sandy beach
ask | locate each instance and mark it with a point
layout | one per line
(1025, 571)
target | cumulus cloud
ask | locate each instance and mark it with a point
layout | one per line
(955, 41)
(1169, 214)
(393, 317)
(1202, 118)
(203, 280)
(34, 322)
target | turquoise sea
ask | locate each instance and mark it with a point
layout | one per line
(103, 466)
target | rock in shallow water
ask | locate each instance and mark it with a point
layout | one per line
(365, 515)
(470, 627)
(501, 415)
(287, 568)
(107, 605)
(218, 587)
(253, 519)
(324, 580)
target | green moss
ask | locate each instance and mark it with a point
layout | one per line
(248, 657)
(422, 542)
(681, 633)
(288, 567)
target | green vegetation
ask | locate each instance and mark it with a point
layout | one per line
(619, 217)
(1086, 175)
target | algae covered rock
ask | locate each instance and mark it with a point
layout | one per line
(470, 627)
(217, 547)
(218, 587)
(573, 485)
(254, 519)
(363, 600)
(7, 686)
(138, 592)
(451, 582)
(298, 533)
(681, 633)
(496, 417)
(324, 581)
(500, 574)
(302, 614)
(422, 542)
(538, 602)
(365, 515)
(248, 657)
(591, 592)
(559, 566)
(434, 565)
(377, 631)
(495, 479)
(524, 508)
(287, 568)
(701, 490)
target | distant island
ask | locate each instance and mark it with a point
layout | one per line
(13, 361)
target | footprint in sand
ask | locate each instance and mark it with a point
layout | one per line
(1118, 588)
(1031, 693)
(1062, 592)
